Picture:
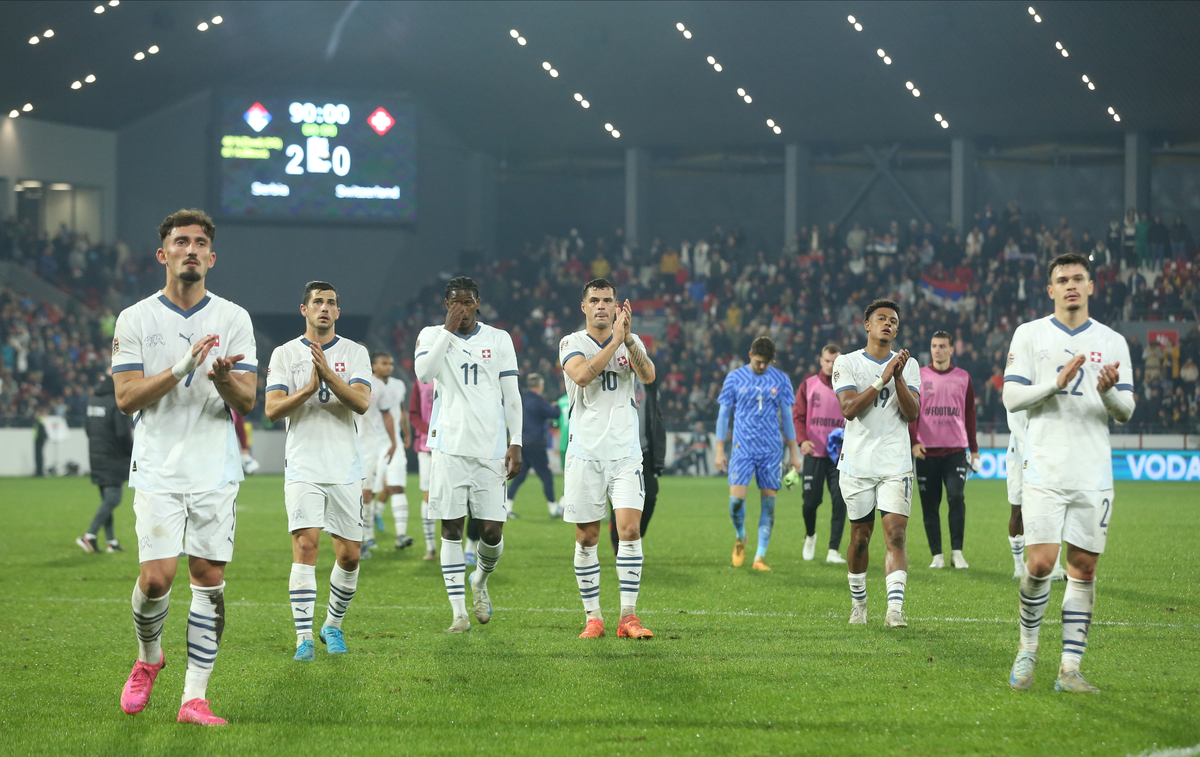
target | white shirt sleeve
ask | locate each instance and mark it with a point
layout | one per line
(127, 343)
(912, 376)
(843, 375)
(1119, 401)
(279, 371)
(431, 348)
(567, 350)
(1020, 391)
(360, 368)
(241, 342)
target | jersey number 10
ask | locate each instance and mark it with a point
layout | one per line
(608, 381)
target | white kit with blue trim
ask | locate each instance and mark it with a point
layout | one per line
(876, 443)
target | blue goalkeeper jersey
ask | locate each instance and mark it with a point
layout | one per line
(760, 405)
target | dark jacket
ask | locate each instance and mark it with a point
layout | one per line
(538, 413)
(110, 437)
(656, 431)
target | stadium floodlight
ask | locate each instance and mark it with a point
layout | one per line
(1091, 86)
(880, 52)
(937, 116)
(1038, 19)
(48, 33)
(711, 60)
(1058, 45)
(887, 60)
(76, 84)
(578, 97)
(608, 127)
(514, 33)
(90, 78)
(850, 19)
(771, 122)
(1116, 117)
(777, 130)
(717, 67)
(34, 40)
(521, 41)
(1065, 54)
(909, 85)
(616, 134)
(553, 73)
(98, 9)
(113, 3)
(27, 107)
(945, 124)
(585, 103)
(13, 113)
(217, 20)
(858, 27)
(153, 49)
(545, 65)
(680, 26)
(139, 55)
(916, 93)
(1111, 111)
(1032, 12)
(747, 99)
(202, 26)
(741, 92)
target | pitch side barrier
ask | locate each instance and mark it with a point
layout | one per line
(1128, 464)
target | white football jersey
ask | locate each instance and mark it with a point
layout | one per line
(1066, 437)
(603, 414)
(396, 393)
(185, 442)
(468, 406)
(876, 443)
(322, 438)
(372, 433)
(1016, 432)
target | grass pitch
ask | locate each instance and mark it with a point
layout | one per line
(742, 662)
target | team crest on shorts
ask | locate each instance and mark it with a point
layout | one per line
(622, 362)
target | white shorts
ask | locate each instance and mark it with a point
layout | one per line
(458, 484)
(397, 469)
(336, 508)
(891, 494)
(375, 467)
(201, 524)
(423, 463)
(589, 484)
(1015, 474)
(1077, 517)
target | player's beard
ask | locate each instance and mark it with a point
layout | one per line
(190, 275)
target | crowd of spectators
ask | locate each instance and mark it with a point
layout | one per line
(705, 299)
(699, 303)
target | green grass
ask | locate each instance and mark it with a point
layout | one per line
(742, 662)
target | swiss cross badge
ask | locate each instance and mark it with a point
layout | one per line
(218, 342)
(486, 354)
(339, 367)
(1095, 357)
(623, 362)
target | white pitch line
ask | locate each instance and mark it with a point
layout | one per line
(1187, 751)
(719, 613)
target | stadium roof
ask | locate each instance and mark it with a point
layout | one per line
(988, 68)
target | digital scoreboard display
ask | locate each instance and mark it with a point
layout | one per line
(335, 160)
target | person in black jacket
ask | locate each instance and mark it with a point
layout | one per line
(110, 445)
(654, 451)
(536, 435)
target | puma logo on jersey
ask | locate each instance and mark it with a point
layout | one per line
(187, 339)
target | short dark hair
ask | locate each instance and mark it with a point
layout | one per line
(534, 378)
(598, 284)
(1068, 258)
(831, 347)
(462, 284)
(877, 304)
(187, 217)
(378, 354)
(764, 347)
(942, 334)
(316, 286)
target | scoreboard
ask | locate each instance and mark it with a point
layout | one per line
(335, 160)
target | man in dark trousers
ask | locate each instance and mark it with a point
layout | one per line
(654, 452)
(110, 445)
(941, 436)
(536, 435)
(816, 413)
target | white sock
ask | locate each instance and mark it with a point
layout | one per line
(368, 524)
(550, 506)
(454, 567)
(148, 618)
(629, 574)
(1078, 602)
(1035, 594)
(302, 587)
(896, 581)
(400, 513)
(377, 510)
(206, 623)
(342, 585)
(1017, 545)
(428, 525)
(508, 505)
(486, 559)
(858, 589)
(587, 577)
(472, 545)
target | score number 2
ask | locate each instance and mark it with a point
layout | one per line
(320, 160)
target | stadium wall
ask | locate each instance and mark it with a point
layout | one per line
(164, 163)
(32, 149)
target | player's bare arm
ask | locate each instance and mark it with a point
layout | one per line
(237, 389)
(357, 397)
(641, 363)
(582, 371)
(389, 426)
(406, 430)
(135, 391)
